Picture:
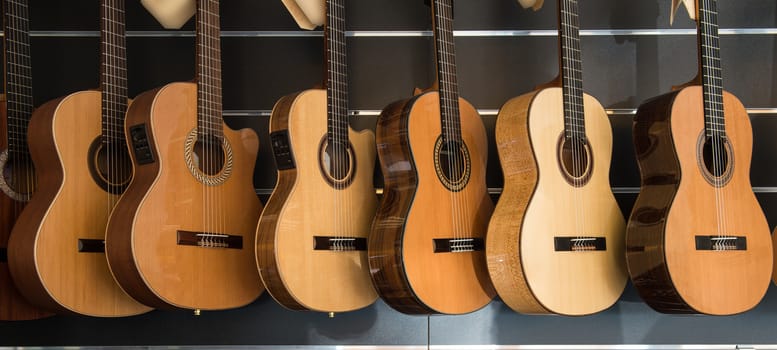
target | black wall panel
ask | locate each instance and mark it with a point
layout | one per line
(503, 51)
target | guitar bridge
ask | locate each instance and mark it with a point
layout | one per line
(339, 243)
(721, 243)
(458, 245)
(210, 240)
(579, 244)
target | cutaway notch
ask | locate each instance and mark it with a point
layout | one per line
(579, 244)
(340, 243)
(458, 245)
(210, 240)
(86, 245)
(721, 243)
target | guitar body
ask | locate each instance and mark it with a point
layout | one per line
(144, 242)
(416, 208)
(305, 204)
(13, 306)
(538, 204)
(68, 206)
(677, 203)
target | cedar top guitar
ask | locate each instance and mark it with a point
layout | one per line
(697, 239)
(426, 246)
(311, 243)
(183, 235)
(58, 257)
(555, 242)
(17, 176)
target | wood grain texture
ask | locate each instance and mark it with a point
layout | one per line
(322, 280)
(141, 236)
(450, 283)
(710, 282)
(13, 306)
(67, 207)
(519, 169)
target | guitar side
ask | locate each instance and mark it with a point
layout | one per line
(450, 283)
(704, 281)
(167, 201)
(70, 207)
(13, 306)
(318, 280)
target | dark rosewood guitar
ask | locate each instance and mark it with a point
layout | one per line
(17, 176)
(183, 234)
(427, 241)
(312, 236)
(77, 144)
(556, 239)
(697, 239)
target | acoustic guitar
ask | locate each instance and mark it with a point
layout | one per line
(57, 252)
(312, 236)
(426, 248)
(697, 239)
(555, 242)
(17, 174)
(183, 234)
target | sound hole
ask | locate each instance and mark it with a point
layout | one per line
(575, 159)
(18, 176)
(336, 162)
(110, 165)
(452, 162)
(715, 158)
(209, 155)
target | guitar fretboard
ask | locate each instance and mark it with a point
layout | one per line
(571, 69)
(711, 74)
(209, 69)
(336, 74)
(113, 70)
(18, 77)
(442, 11)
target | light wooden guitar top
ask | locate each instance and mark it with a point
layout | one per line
(172, 14)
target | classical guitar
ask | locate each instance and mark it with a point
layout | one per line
(183, 234)
(697, 239)
(57, 254)
(555, 241)
(426, 248)
(312, 236)
(17, 175)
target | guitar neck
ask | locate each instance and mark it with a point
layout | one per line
(442, 13)
(711, 73)
(571, 69)
(18, 79)
(336, 73)
(113, 70)
(209, 69)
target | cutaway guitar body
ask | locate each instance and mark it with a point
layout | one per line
(555, 241)
(183, 234)
(311, 246)
(418, 208)
(673, 257)
(57, 243)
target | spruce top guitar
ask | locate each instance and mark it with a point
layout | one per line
(555, 242)
(697, 239)
(312, 236)
(17, 175)
(426, 246)
(183, 234)
(78, 147)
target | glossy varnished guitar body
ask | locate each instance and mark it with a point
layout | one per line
(538, 204)
(13, 306)
(677, 202)
(305, 204)
(416, 209)
(165, 199)
(68, 206)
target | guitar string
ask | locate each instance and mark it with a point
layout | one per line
(570, 108)
(582, 154)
